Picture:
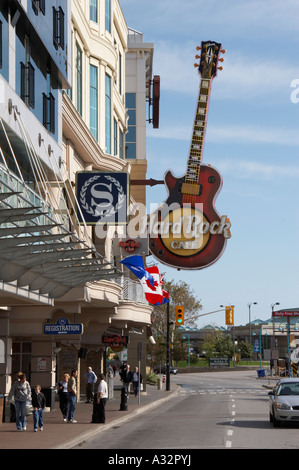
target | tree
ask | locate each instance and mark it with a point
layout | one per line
(218, 344)
(179, 294)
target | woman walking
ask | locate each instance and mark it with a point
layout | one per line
(21, 392)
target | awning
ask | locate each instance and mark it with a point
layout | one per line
(44, 256)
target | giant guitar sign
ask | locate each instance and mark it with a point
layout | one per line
(186, 231)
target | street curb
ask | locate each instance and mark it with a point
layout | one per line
(88, 434)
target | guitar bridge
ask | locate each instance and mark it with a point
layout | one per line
(193, 189)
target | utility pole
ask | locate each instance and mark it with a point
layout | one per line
(168, 351)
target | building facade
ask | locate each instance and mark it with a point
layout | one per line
(63, 110)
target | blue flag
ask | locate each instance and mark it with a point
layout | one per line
(136, 265)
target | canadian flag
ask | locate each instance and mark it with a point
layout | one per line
(153, 293)
(149, 278)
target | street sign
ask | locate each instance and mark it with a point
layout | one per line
(219, 362)
(295, 355)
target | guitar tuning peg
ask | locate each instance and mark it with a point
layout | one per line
(196, 65)
(198, 48)
(220, 68)
(223, 51)
(197, 56)
(221, 60)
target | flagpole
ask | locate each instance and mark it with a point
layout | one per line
(168, 351)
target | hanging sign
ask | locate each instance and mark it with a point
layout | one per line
(63, 327)
(103, 197)
(115, 342)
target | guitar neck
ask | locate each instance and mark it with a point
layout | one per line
(197, 142)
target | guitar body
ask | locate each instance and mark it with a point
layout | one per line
(186, 232)
(183, 252)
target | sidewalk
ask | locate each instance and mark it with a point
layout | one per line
(60, 435)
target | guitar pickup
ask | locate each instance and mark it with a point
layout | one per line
(193, 189)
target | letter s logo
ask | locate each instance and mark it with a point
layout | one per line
(102, 195)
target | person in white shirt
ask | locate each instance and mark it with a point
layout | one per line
(102, 395)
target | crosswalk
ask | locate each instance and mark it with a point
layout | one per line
(220, 391)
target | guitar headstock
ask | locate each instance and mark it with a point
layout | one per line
(210, 51)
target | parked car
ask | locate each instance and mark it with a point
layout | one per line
(162, 370)
(284, 402)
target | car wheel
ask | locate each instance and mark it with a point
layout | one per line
(275, 422)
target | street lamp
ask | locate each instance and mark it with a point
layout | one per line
(260, 345)
(249, 307)
(273, 323)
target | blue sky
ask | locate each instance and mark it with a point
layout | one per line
(252, 138)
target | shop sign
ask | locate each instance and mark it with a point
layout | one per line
(115, 342)
(63, 327)
(286, 313)
(129, 245)
(103, 197)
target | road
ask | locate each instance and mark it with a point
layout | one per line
(213, 410)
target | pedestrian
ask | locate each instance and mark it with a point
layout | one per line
(110, 371)
(21, 392)
(63, 396)
(72, 395)
(90, 380)
(100, 402)
(38, 403)
(126, 377)
(114, 369)
(135, 381)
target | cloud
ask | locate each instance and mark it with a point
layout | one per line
(244, 77)
(250, 168)
(232, 134)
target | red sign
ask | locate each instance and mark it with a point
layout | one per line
(115, 342)
(286, 313)
(130, 245)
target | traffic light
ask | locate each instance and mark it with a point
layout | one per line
(229, 315)
(179, 315)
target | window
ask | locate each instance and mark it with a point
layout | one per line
(108, 113)
(78, 79)
(41, 4)
(121, 144)
(58, 28)
(49, 107)
(94, 10)
(115, 136)
(108, 15)
(28, 78)
(1, 54)
(131, 135)
(120, 74)
(21, 358)
(94, 101)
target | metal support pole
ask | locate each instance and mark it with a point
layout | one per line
(168, 351)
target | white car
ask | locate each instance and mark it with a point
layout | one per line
(284, 402)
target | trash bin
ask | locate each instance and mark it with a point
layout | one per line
(261, 372)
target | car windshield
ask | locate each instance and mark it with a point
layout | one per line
(288, 389)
